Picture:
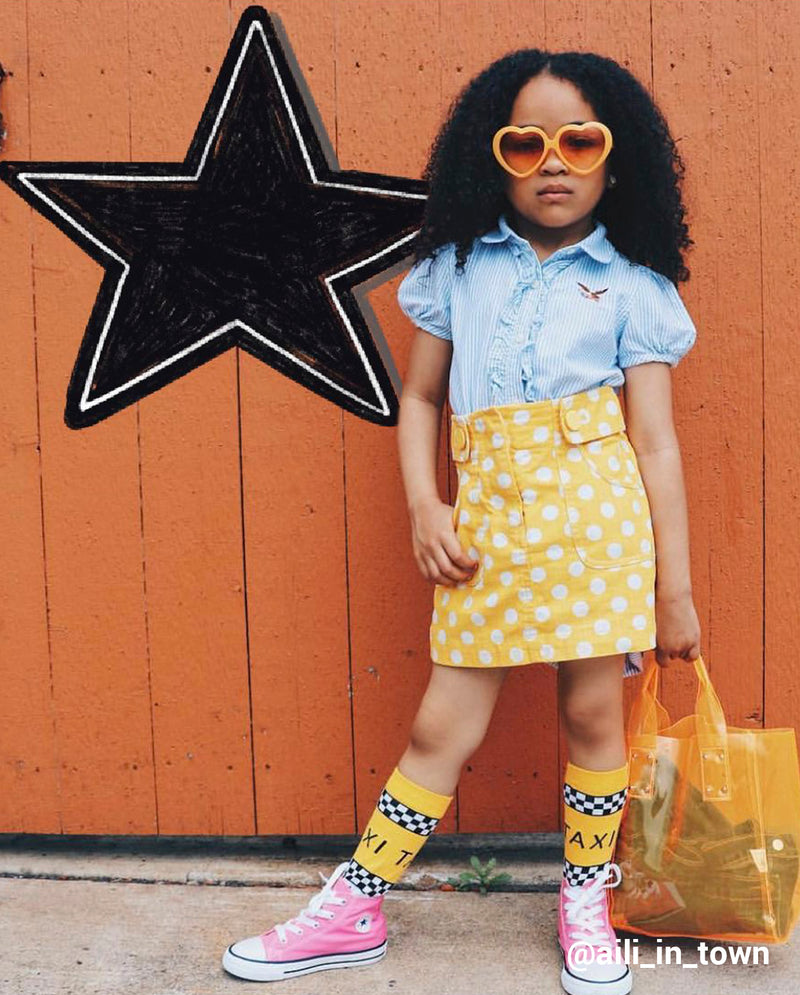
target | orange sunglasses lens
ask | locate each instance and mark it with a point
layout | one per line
(579, 148)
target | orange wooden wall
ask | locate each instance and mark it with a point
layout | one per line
(211, 620)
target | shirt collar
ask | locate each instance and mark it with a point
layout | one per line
(595, 243)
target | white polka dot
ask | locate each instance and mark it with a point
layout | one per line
(487, 463)
(480, 425)
(538, 574)
(477, 619)
(468, 601)
(550, 512)
(514, 517)
(628, 528)
(488, 562)
(559, 591)
(563, 631)
(555, 552)
(576, 568)
(451, 618)
(511, 615)
(594, 532)
(634, 582)
(500, 540)
(463, 517)
(522, 417)
(474, 495)
(544, 473)
(516, 654)
(597, 585)
(519, 557)
(604, 428)
(602, 626)
(498, 440)
(485, 656)
(467, 637)
(522, 456)
(614, 550)
(639, 621)
(619, 604)
(593, 393)
(623, 644)
(435, 616)
(611, 407)
(580, 608)
(546, 651)
(492, 599)
(607, 509)
(534, 535)
(542, 613)
(529, 495)
(541, 433)
(504, 479)
(445, 597)
(525, 594)
(586, 492)
(584, 649)
(441, 635)
(529, 633)
(506, 578)
(497, 636)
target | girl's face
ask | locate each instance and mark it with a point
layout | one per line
(549, 102)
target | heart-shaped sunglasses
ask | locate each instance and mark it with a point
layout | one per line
(582, 147)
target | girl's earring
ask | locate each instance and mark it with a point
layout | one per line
(612, 181)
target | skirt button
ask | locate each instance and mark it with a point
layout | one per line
(572, 420)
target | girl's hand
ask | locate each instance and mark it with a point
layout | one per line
(677, 629)
(438, 552)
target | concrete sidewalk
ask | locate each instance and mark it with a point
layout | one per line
(152, 917)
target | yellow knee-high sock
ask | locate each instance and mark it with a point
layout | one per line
(405, 816)
(593, 803)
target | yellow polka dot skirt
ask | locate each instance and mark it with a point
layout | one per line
(552, 504)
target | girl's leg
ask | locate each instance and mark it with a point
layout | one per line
(596, 775)
(450, 724)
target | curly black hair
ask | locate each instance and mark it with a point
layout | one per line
(466, 186)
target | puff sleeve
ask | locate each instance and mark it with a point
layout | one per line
(656, 326)
(424, 294)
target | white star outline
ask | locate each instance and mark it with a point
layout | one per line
(85, 403)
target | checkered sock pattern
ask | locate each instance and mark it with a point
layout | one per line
(593, 804)
(405, 816)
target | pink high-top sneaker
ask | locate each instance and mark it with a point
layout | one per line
(598, 968)
(340, 927)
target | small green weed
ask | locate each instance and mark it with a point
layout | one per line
(479, 877)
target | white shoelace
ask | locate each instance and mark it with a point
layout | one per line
(585, 907)
(314, 908)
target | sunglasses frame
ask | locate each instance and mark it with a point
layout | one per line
(551, 143)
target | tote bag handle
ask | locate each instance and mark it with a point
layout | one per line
(649, 717)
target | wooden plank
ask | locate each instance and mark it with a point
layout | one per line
(293, 466)
(704, 79)
(28, 761)
(92, 520)
(777, 95)
(191, 484)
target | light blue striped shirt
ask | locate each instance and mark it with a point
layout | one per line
(523, 330)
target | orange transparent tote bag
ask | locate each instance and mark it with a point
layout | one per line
(708, 844)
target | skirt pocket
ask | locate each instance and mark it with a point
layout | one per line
(605, 497)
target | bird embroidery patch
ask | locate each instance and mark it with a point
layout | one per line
(593, 295)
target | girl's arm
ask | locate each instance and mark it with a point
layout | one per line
(436, 548)
(650, 428)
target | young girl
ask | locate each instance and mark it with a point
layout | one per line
(533, 304)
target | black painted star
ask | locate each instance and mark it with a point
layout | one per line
(255, 240)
